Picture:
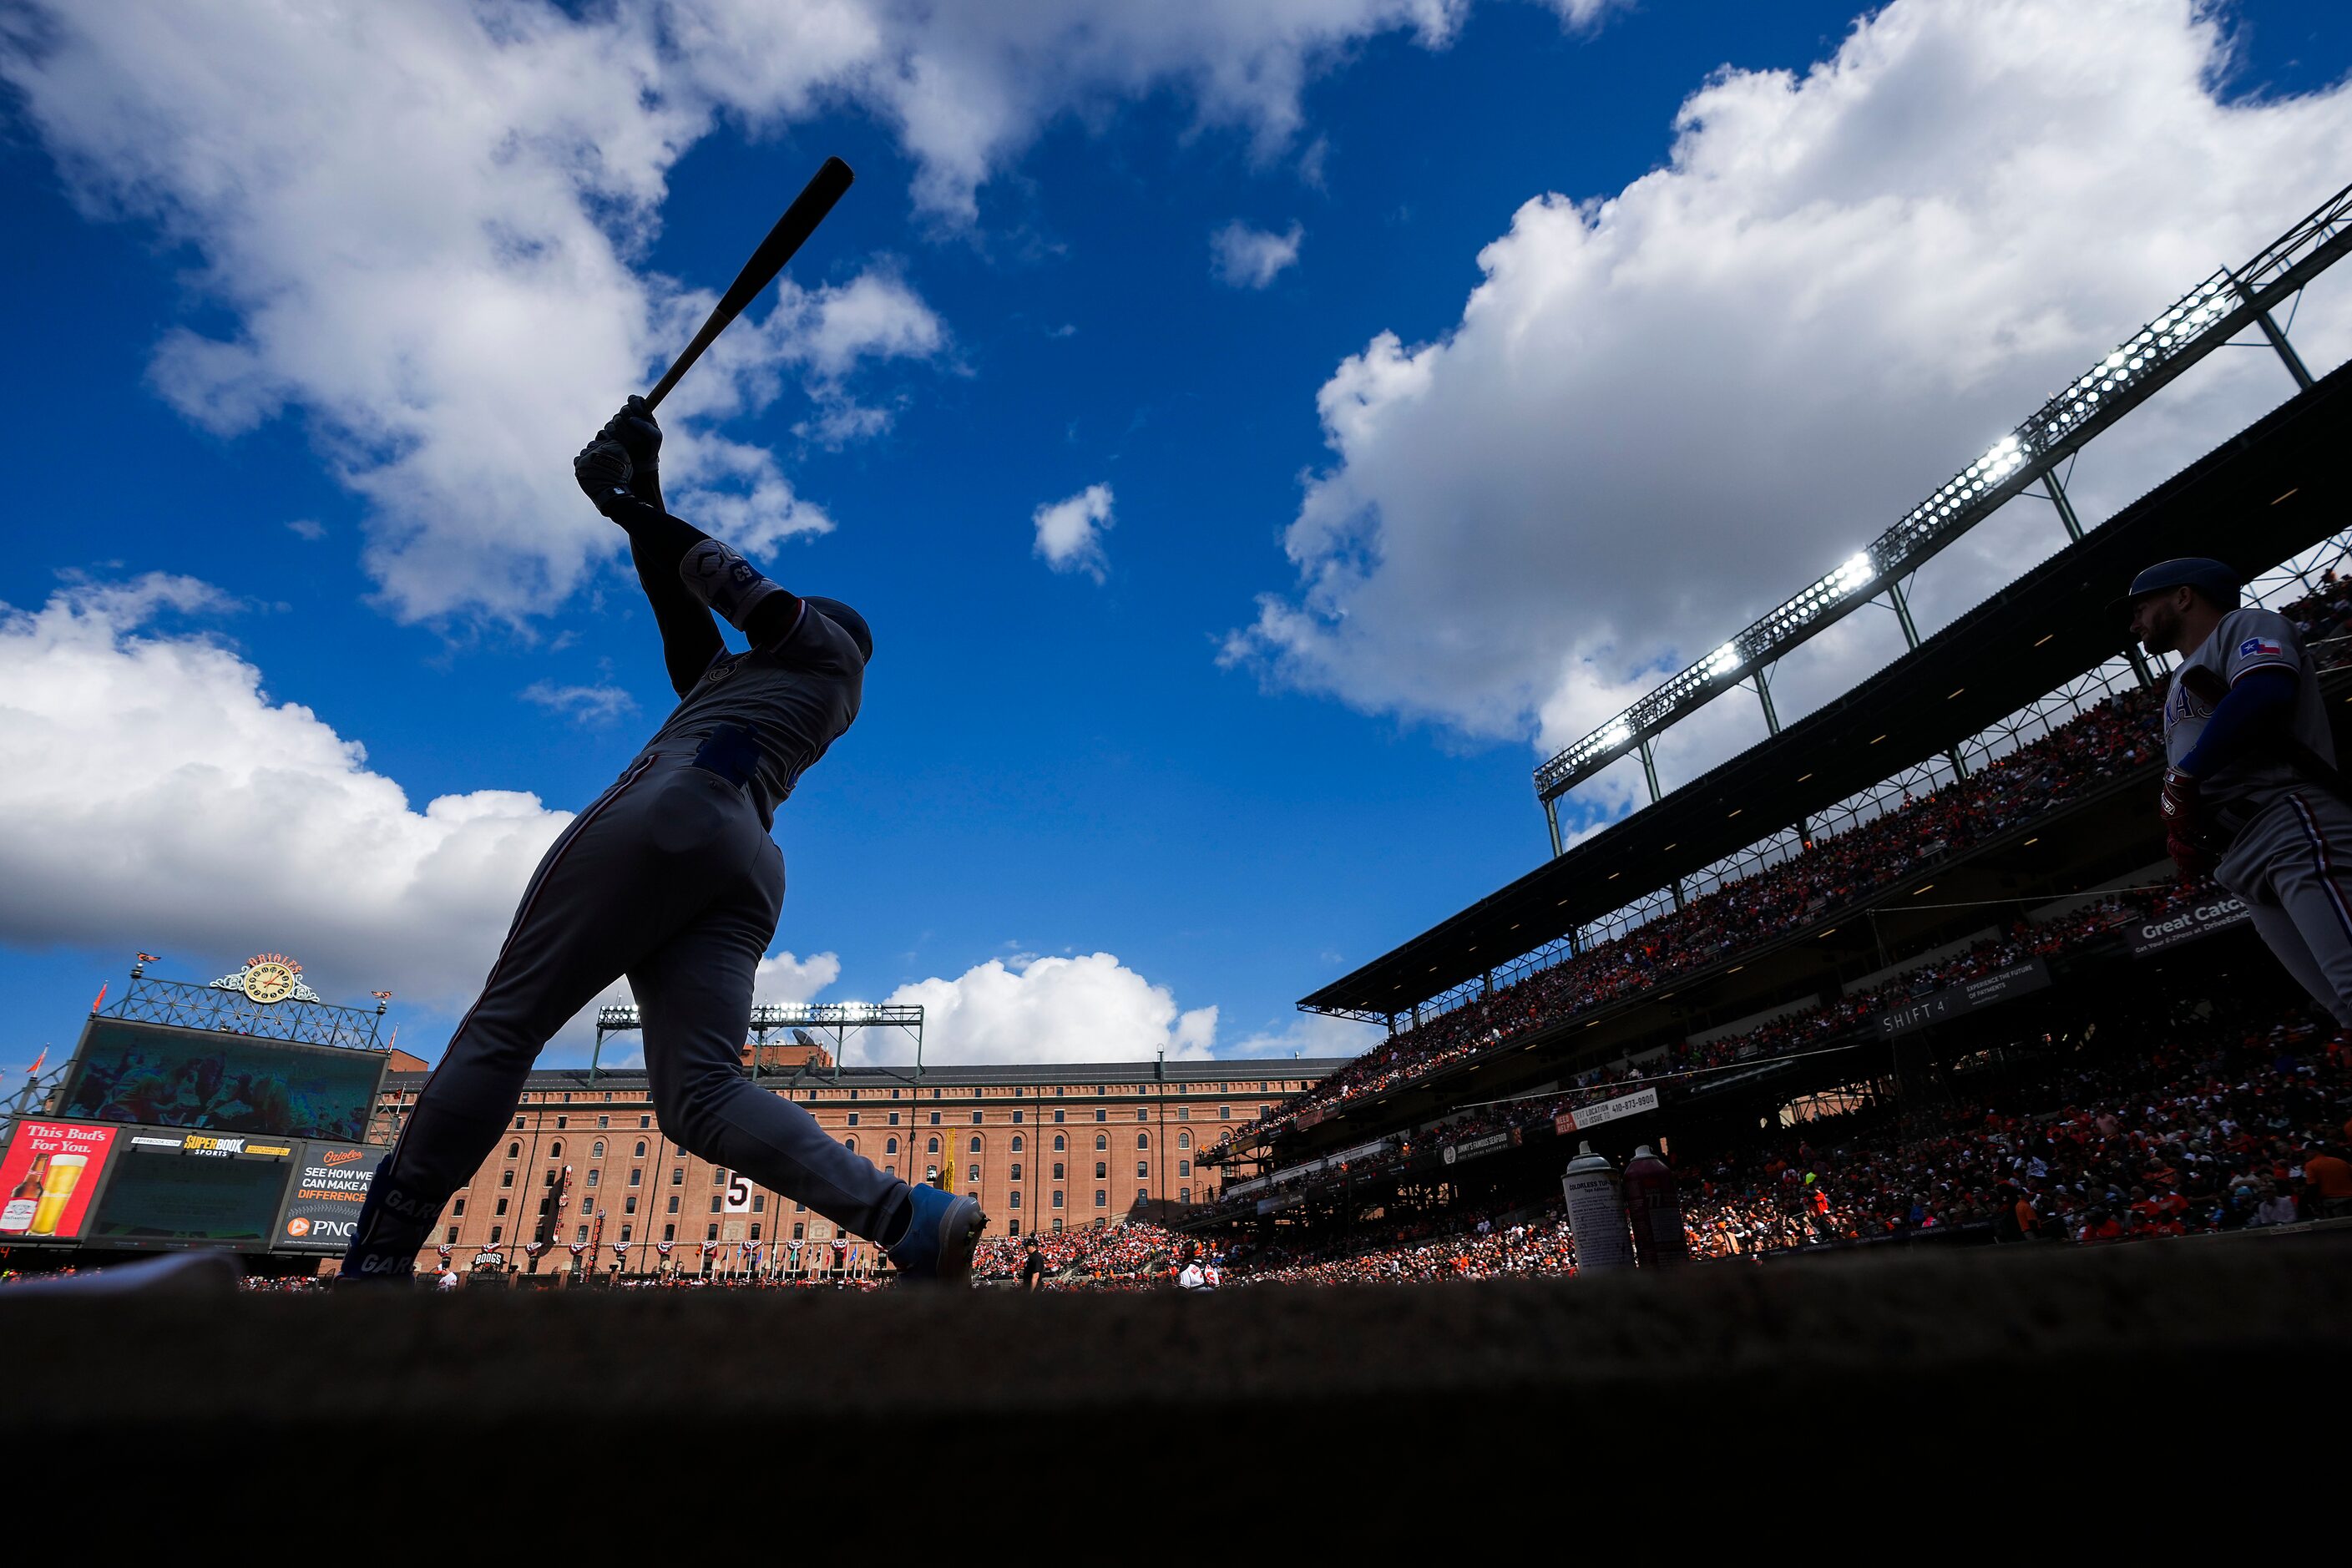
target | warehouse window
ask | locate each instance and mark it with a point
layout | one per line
(1184, 1139)
(555, 1150)
(677, 1175)
(935, 1119)
(450, 1239)
(1016, 1119)
(890, 1146)
(853, 1119)
(1102, 1169)
(629, 1203)
(1057, 1113)
(637, 1175)
(644, 1121)
(581, 1233)
(1016, 1142)
(894, 1119)
(669, 1233)
(1057, 1203)
(711, 1234)
(1142, 1169)
(1016, 1170)
(673, 1203)
(602, 1122)
(975, 1146)
(496, 1232)
(934, 1145)
(1057, 1170)
(1102, 1199)
(755, 1230)
(1059, 1144)
(1183, 1113)
(1102, 1116)
(1224, 1113)
(514, 1151)
(1184, 1195)
(461, 1207)
(1016, 1203)
(714, 1202)
(975, 1118)
(1141, 1114)
(593, 1175)
(759, 1204)
(1101, 1143)
(1143, 1139)
(596, 1149)
(505, 1178)
(1183, 1167)
(641, 1148)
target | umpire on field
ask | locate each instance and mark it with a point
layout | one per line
(2250, 792)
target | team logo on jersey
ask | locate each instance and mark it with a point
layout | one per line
(721, 668)
(2257, 647)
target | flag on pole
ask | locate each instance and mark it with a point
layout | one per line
(35, 1070)
(151, 958)
(101, 1000)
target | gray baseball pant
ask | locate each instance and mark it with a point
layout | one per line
(670, 878)
(2293, 865)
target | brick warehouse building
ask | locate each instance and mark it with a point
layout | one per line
(1048, 1148)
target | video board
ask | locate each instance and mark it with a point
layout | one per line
(46, 1177)
(159, 1076)
(172, 1188)
(323, 1205)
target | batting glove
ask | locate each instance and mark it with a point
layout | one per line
(635, 428)
(602, 469)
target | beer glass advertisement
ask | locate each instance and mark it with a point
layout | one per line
(46, 1177)
(192, 1189)
(165, 1077)
(328, 1188)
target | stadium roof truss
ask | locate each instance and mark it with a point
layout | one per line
(2033, 654)
(2202, 319)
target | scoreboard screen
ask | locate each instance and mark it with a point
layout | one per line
(192, 1189)
(160, 1075)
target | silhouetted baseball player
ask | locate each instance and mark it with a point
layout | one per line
(2252, 795)
(669, 877)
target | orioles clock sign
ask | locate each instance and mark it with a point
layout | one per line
(268, 978)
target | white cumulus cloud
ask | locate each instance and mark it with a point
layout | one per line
(1069, 532)
(1665, 408)
(1085, 1009)
(1246, 257)
(152, 792)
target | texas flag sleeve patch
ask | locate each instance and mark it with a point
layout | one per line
(2260, 648)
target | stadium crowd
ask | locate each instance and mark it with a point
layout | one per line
(2178, 1124)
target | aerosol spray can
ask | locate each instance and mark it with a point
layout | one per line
(1595, 1213)
(1657, 1212)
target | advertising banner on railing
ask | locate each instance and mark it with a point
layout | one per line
(1473, 1148)
(1586, 1117)
(2220, 912)
(2000, 986)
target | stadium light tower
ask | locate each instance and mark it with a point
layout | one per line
(2196, 323)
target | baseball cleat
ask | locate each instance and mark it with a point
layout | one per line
(942, 1231)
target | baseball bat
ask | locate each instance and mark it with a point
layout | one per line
(792, 230)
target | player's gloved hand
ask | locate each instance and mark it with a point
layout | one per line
(602, 470)
(639, 436)
(2182, 809)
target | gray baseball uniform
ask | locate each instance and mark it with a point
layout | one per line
(2291, 858)
(670, 879)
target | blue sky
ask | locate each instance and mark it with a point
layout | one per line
(1230, 773)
